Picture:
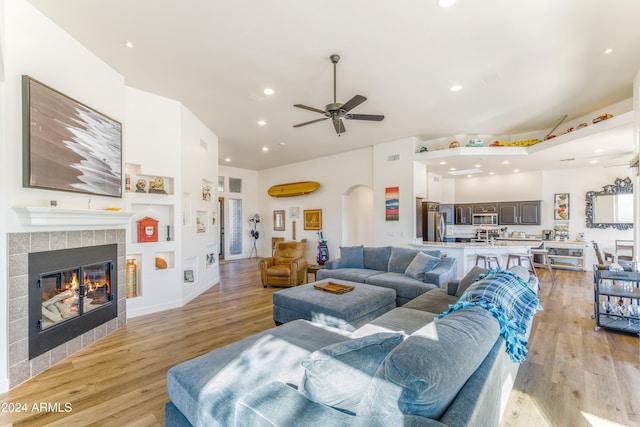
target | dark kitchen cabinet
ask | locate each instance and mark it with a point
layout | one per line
(480, 208)
(519, 213)
(463, 214)
(530, 213)
(449, 217)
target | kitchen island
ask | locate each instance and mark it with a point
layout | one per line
(465, 253)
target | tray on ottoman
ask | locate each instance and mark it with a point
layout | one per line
(347, 311)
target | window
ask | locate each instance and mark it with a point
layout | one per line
(221, 184)
(235, 185)
(235, 227)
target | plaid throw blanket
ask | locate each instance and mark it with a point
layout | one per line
(510, 300)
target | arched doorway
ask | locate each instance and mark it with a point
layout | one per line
(357, 216)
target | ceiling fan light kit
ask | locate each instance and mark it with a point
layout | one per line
(337, 111)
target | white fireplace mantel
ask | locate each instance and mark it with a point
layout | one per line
(45, 216)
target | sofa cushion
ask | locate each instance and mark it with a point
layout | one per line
(511, 300)
(338, 375)
(400, 319)
(420, 264)
(359, 275)
(406, 287)
(377, 258)
(351, 257)
(435, 301)
(469, 278)
(423, 375)
(206, 388)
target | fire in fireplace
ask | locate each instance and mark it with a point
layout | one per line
(65, 297)
(70, 293)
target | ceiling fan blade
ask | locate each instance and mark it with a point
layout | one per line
(353, 103)
(308, 123)
(339, 125)
(309, 108)
(372, 117)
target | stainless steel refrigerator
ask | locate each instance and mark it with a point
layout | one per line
(434, 224)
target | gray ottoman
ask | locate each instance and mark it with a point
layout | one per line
(346, 311)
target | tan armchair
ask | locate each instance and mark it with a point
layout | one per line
(287, 267)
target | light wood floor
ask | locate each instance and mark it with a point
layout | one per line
(573, 376)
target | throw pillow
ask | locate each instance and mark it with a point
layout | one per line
(510, 300)
(351, 257)
(400, 259)
(421, 263)
(469, 278)
(423, 375)
(338, 375)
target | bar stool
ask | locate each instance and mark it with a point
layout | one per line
(487, 259)
(520, 257)
(545, 261)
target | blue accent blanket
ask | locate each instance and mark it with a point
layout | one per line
(510, 300)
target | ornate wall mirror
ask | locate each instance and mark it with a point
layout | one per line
(612, 207)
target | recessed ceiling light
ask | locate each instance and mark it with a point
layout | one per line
(269, 91)
(506, 162)
(265, 148)
(608, 51)
(262, 122)
(282, 143)
(516, 170)
(443, 163)
(452, 169)
(477, 166)
(227, 159)
(455, 88)
(598, 150)
(446, 3)
(469, 176)
(128, 44)
(492, 173)
(593, 161)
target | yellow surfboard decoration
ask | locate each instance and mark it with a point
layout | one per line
(293, 189)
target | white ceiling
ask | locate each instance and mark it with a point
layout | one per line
(522, 64)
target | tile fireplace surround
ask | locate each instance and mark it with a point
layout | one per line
(19, 246)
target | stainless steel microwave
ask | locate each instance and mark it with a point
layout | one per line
(485, 219)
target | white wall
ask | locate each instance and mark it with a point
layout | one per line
(199, 168)
(337, 176)
(577, 182)
(357, 221)
(394, 173)
(36, 47)
(151, 142)
(500, 188)
(250, 205)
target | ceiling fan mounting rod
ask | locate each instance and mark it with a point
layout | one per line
(334, 58)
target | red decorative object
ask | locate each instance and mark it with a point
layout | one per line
(147, 230)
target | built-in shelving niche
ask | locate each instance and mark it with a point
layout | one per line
(190, 270)
(202, 221)
(162, 213)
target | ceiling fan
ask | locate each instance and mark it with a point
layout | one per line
(337, 111)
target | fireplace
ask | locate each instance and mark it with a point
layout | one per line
(70, 293)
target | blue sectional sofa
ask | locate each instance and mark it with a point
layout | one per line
(439, 360)
(408, 271)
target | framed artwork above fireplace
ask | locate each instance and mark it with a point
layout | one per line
(68, 146)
